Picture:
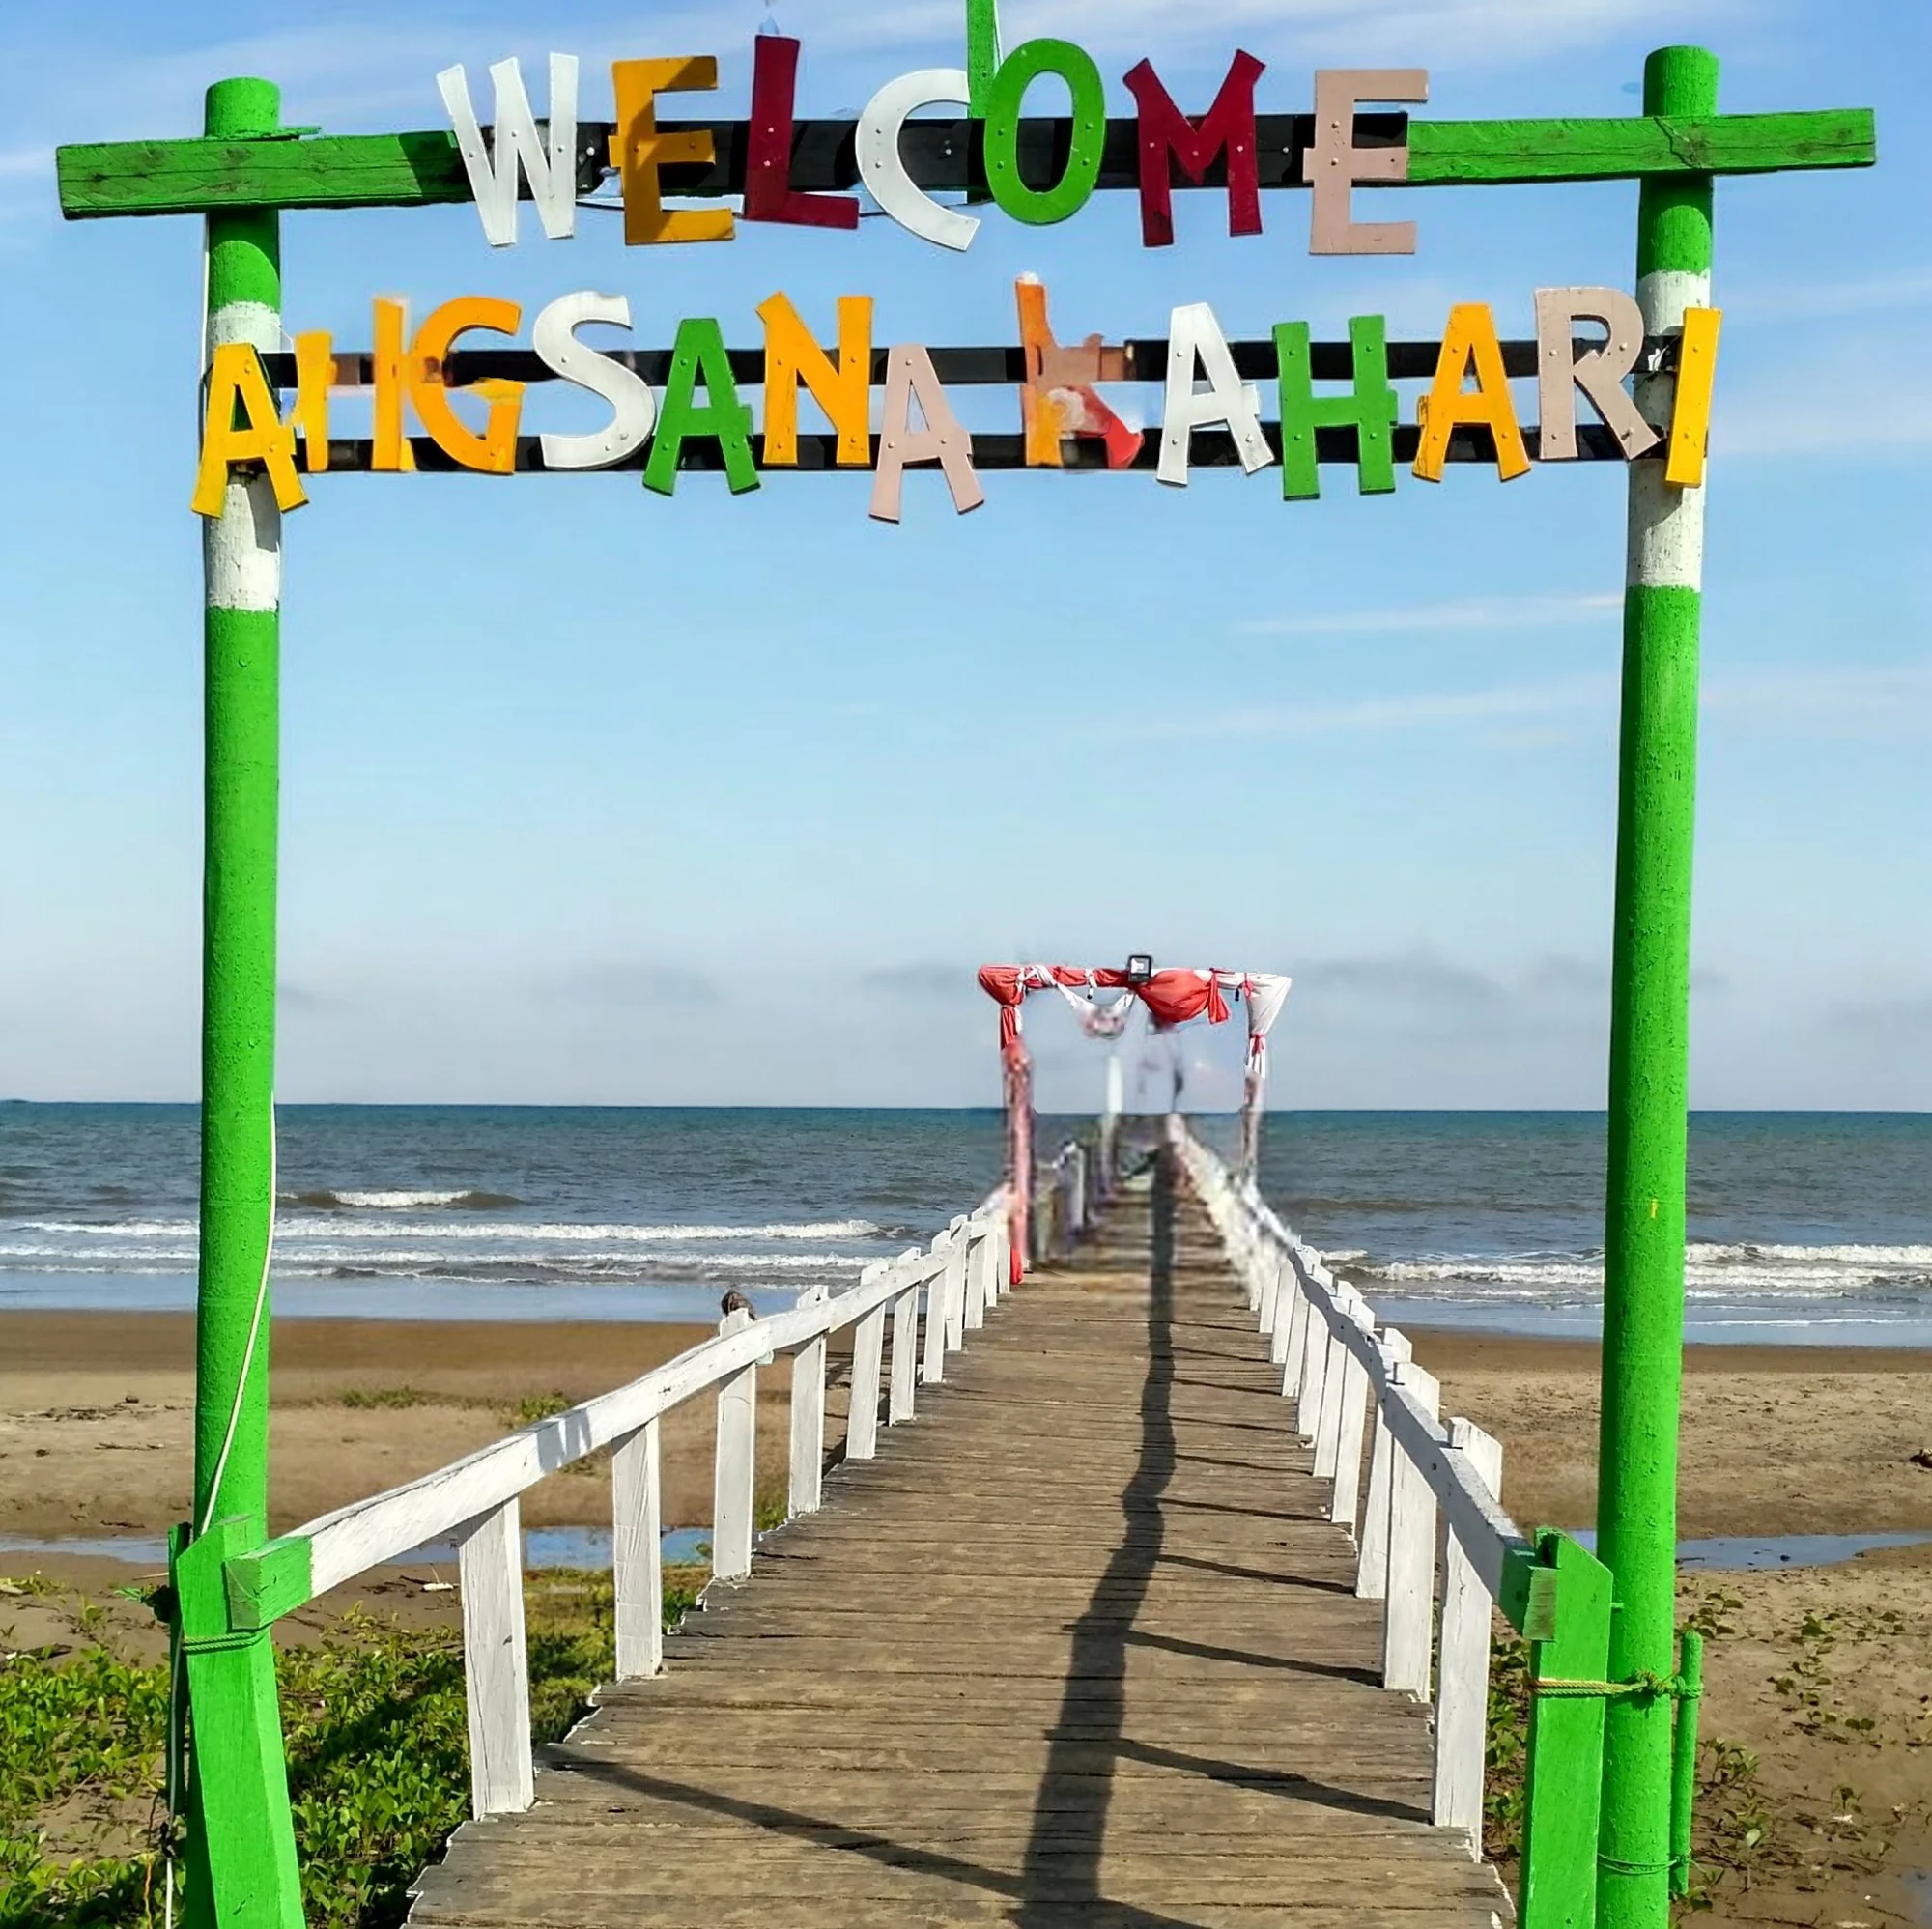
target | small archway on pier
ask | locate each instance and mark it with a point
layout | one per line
(1171, 998)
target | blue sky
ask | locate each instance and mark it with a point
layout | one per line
(591, 795)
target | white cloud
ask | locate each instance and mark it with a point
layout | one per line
(1478, 614)
(1376, 715)
(1879, 699)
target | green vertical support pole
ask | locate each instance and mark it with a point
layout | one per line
(1650, 995)
(1684, 1757)
(241, 1860)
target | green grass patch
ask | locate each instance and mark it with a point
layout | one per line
(535, 1406)
(377, 1752)
(367, 1397)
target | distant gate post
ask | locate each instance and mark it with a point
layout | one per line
(1650, 995)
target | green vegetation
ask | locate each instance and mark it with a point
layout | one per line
(378, 1770)
(363, 1396)
(535, 1406)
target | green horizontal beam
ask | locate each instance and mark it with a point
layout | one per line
(1498, 152)
(193, 176)
(268, 1581)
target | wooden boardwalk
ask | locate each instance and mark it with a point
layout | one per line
(1078, 1648)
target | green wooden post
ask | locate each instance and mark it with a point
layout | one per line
(241, 1858)
(1650, 998)
(1563, 1774)
(1684, 1758)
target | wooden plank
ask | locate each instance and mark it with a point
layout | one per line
(1371, 1570)
(636, 1552)
(1462, 1671)
(734, 1465)
(862, 1418)
(808, 1417)
(905, 1358)
(1408, 1612)
(495, 1662)
(1498, 152)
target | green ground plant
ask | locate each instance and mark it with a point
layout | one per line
(378, 1772)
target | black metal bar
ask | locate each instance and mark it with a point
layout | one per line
(1212, 448)
(948, 155)
(965, 368)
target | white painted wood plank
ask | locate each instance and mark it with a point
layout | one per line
(1266, 1269)
(734, 1469)
(861, 1420)
(1462, 1678)
(1313, 1378)
(1372, 1568)
(955, 1285)
(906, 1357)
(808, 1418)
(1329, 1428)
(1294, 1344)
(495, 1662)
(636, 1552)
(974, 1276)
(1353, 1421)
(1409, 1613)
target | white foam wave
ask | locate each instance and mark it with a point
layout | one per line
(333, 1226)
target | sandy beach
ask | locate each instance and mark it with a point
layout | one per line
(96, 1413)
(1820, 1679)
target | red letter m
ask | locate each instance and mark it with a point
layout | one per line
(1229, 126)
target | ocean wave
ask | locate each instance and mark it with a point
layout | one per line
(468, 1199)
(1712, 1271)
(293, 1226)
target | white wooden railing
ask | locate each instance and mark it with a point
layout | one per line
(1339, 1366)
(475, 1500)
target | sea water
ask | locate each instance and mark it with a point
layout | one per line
(1804, 1227)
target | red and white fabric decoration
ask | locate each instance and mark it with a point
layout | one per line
(1171, 998)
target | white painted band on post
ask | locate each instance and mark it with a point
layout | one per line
(242, 548)
(1666, 531)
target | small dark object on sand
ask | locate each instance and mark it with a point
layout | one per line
(735, 1302)
(1922, 1457)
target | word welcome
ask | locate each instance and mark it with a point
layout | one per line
(411, 374)
(994, 90)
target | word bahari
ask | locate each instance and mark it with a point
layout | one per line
(1202, 390)
(995, 90)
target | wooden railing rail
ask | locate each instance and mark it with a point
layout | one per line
(475, 1500)
(1341, 1368)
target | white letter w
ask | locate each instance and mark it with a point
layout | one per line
(493, 177)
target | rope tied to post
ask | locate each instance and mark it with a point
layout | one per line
(1654, 1687)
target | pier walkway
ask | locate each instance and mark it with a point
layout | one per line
(1080, 1646)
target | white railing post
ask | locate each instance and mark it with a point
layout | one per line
(1371, 1570)
(1409, 1614)
(906, 1357)
(1354, 1415)
(936, 1318)
(496, 1662)
(955, 1285)
(1313, 1373)
(975, 1236)
(636, 1552)
(734, 1470)
(862, 1414)
(995, 1279)
(1291, 1335)
(1462, 1675)
(808, 1416)
(1267, 1262)
(1328, 1429)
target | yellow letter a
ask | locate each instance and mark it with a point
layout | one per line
(237, 382)
(1470, 336)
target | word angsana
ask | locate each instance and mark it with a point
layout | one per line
(1059, 398)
